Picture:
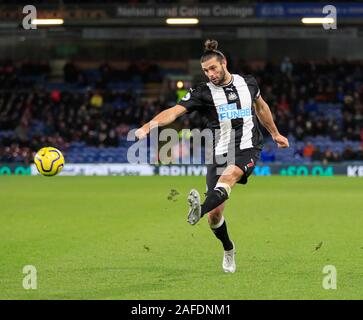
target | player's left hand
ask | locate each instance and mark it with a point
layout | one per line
(282, 142)
(141, 133)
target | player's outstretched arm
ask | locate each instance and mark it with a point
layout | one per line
(162, 119)
(263, 113)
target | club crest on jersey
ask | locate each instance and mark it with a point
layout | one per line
(232, 96)
(230, 111)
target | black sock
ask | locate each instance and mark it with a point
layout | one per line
(222, 234)
(214, 198)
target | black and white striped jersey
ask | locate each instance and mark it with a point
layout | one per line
(228, 108)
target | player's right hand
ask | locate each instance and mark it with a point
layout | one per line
(141, 133)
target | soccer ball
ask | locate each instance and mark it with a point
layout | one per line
(49, 161)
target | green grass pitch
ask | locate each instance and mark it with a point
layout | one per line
(122, 238)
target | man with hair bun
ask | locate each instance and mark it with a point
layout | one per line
(231, 103)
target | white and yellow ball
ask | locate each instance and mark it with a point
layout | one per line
(49, 161)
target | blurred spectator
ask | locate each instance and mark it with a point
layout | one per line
(283, 105)
(55, 95)
(111, 140)
(267, 155)
(286, 66)
(308, 150)
(335, 133)
(330, 156)
(317, 155)
(348, 154)
(71, 73)
(106, 74)
(21, 131)
(359, 155)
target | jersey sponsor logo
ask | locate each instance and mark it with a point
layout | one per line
(229, 111)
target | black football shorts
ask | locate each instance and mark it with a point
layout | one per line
(244, 159)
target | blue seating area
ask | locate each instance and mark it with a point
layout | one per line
(330, 111)
(80, 153)
(6, 134)
(83, 154)
(294, 153)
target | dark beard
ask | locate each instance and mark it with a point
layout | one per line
(221, 82)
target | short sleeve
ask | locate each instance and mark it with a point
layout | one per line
(192, 100)
(253, 87)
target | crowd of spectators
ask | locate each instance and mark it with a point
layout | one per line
(327, 156)
(307, 100)
(28, 74)
(60, 118)
(302, 97)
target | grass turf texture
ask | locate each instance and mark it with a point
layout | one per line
(122, 238)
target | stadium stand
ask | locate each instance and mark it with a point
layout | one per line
(87, 114)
